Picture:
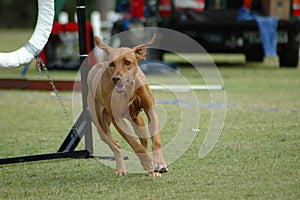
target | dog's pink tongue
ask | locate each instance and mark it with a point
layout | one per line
(120, 88)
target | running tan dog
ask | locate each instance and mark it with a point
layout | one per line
(118, 89)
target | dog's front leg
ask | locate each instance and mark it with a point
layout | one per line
(154, 129)
(139, 149)
(113, 143)
(106, 136)
(102, 122)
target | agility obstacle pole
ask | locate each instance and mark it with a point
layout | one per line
(83, 125)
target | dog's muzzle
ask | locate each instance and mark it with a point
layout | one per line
(120, 85)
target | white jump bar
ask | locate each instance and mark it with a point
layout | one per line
(186, 88)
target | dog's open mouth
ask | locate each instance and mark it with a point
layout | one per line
(121, 87)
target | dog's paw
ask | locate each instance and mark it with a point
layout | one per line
(154, 174)
(161, 168)
(120, 172)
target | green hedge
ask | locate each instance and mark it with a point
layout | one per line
(23, 14)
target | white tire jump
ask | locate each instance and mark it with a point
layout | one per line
(37, 41)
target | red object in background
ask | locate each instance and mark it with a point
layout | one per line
(73, 27)
(165, 8)
(200, 5)
(247, 4)
(49, 54)
(296, 8)
(197, 5)
(137, 8)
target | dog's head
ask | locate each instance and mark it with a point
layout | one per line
(123, 62)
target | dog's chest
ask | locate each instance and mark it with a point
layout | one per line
(123, 105)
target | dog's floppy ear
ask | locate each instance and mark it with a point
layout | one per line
(102, 45)
(141, 50)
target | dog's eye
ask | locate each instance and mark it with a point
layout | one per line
(127, 62)
(112, 64)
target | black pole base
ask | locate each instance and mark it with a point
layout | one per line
(50, 156)
(80, 154)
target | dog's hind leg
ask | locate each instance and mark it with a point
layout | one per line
(139, 127)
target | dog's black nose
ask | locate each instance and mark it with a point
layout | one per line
(116, 79)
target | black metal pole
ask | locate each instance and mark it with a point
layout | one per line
(82, 29)
(84, 69)
(83, 53)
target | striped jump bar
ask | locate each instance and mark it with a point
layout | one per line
(186, 88)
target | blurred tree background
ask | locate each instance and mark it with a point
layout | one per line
(23, 14)
(17, 13)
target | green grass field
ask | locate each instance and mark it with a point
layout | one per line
(256, 157)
